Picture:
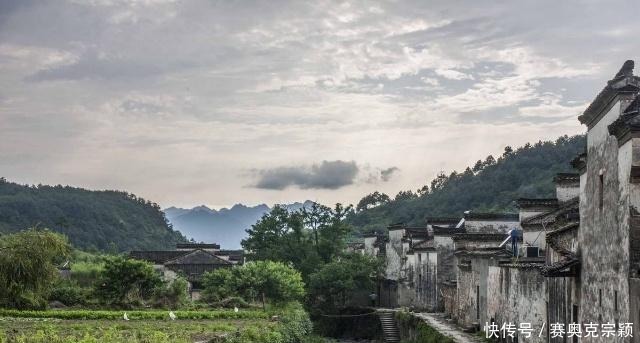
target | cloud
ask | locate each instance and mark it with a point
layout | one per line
(326, 175)
(387, 174)
(93, 66)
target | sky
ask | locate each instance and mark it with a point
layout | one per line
(224, 102)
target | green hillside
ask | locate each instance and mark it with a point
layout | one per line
(102, 220)
(490, 185)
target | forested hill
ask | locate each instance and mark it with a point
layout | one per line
(489, 185)
(102, 220)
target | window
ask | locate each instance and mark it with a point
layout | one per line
(600, 297)
(477, 302)
(601, 190)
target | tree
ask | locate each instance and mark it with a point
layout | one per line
(372, 200)
(305, 239)
(126, 281)
(261, 280)
(405, 195)
(28, 266)
(333, 284)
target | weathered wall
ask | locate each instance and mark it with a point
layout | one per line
(446, 269)
(369, 248)
(394, 255)
(472, 292)
(517, 295)
(604, 233)
(449, 298)
(490, 226)
(566, 192)
(425, 277)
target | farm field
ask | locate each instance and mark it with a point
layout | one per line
(143, 327)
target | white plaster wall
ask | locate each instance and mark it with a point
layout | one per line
(443, 241)
(566, 192)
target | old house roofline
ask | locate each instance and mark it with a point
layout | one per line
(184, 259)
(492, 216)
(197, 246)
(423, 245)
(628, 124)
(482, 252)
(579, 163)
(567, 267)
(568, 227)
(396, 226)
(564, 178)
(550, 216)
(624, 82)
(371, 234)
(537, 203)
(157, 256)
(522, 263)
(446, 231)
(441, 220)
(480, 237)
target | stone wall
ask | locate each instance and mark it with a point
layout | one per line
(472, 291)
(517, 295)
(604, 231)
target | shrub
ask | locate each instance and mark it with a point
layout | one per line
(172, 294)
(28, 266)
(69, 293)
(261, 280)
(126, 281)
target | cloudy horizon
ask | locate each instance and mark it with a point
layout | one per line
(217, 103)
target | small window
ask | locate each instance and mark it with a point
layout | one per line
(601, 191)
(600, 297)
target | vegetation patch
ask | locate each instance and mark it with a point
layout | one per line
(415, 330)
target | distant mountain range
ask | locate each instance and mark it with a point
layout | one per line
(225, 226)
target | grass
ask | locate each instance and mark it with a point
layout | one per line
(155, 326)
(135, 315)
(29, 330)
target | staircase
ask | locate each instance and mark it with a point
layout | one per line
(389, 326)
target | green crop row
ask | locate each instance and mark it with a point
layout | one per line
(135, 315)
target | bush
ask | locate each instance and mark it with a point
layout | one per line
(127, 281)
(172, 294)
(28, 266)
(69, 293)
(253, 281)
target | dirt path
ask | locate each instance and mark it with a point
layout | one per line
(438, 322)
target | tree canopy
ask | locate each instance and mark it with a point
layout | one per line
(259, 280)
(489, 185)
(28, 266)
(304, 238)
(102, 220)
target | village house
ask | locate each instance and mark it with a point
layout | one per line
(190, 260)
(609, 233)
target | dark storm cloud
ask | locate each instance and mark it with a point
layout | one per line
(326, 175)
